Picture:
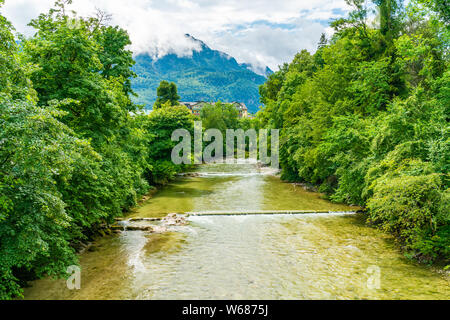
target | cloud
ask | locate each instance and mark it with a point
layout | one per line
(270, 45)
(259, 32)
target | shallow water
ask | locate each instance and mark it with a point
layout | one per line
(308, 256)
(239, 187)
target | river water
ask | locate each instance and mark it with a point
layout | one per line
(281, 256)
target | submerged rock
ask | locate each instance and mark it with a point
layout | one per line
(159, 229)
(139, 228)
(306, 186)
(188, 174)
(173, 219)
(144, 219)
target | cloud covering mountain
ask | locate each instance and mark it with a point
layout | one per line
(206, 75)
(259, 32)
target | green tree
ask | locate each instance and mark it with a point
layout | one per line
(69, 61)
(220, 116)
(166, 93)
(160, 125)
(37, 151)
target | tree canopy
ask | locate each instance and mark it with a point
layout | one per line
(167, 93)
(366, 119)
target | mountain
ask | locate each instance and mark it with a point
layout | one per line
(207, 75)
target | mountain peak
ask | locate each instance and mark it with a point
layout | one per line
(202, 44)
(206, 75)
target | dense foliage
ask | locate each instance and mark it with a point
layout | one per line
(160, 124)
(166, 93)
(75, 151)
(220, 116)
(366, 118)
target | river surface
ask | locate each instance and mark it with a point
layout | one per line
(281, 256)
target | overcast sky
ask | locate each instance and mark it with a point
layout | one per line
(259, 32)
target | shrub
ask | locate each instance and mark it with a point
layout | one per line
(414, 209)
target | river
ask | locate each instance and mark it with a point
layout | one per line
(280, 256)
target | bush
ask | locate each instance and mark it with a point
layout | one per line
(414, 209)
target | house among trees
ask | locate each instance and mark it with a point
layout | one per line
(196, 107)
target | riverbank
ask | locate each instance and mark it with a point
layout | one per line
(440, 263)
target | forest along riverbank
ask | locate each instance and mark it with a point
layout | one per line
(307, 256)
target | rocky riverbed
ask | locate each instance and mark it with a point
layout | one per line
(156, 225)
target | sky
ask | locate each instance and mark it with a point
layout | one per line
(259, 32)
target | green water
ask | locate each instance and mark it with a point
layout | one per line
(310, 256)
(238, 187)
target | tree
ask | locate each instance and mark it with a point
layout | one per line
(85, 66)
(442, 7)
(13, 80)
(35, 226)
(166, 92)
(160, 125)
(220, 116)
(390, 19)
(323, 41)
(116, 61)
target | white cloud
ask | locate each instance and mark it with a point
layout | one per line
(260, 32)
(270, 46)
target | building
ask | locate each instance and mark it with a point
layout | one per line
(196, 107)
(242, 108)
